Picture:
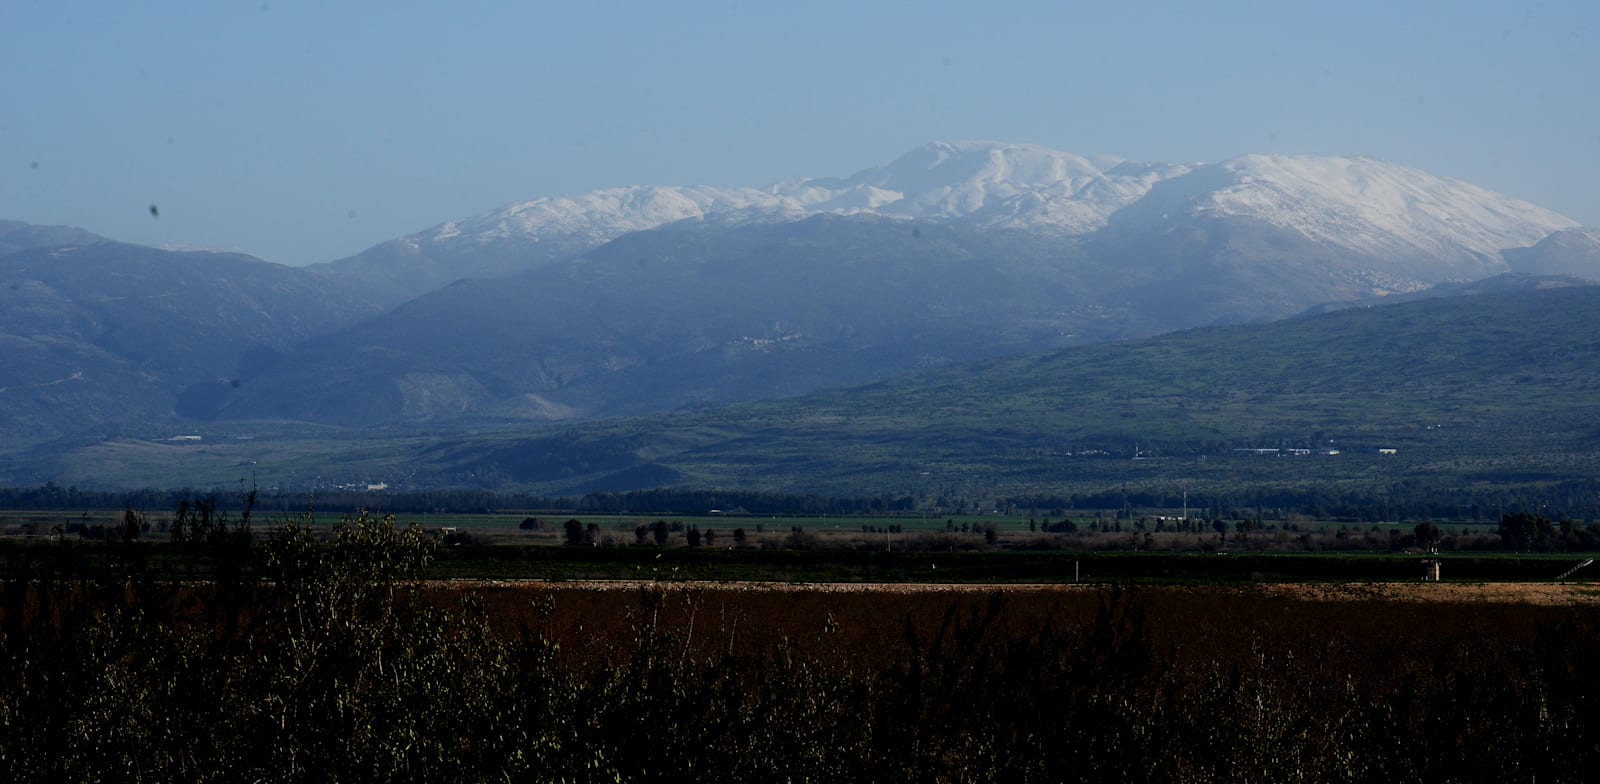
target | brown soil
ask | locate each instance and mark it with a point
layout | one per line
(1499, 593)
(1503, 593)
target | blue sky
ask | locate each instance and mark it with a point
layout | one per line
(307, 131)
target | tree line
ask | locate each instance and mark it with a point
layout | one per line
(1403, 501)
(1575, 501)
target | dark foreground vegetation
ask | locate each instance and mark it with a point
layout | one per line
(316, 653)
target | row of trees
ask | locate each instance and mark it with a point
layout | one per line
(1519, 531)
(1404, 501)
(1525, 531)
(578, 534)
(54, 496)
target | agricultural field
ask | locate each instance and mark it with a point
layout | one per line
(368, 649)
(315, 656)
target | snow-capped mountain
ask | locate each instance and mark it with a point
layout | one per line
(600, 216)
(1360, 206)
(988, 183)
(1363, 204)
(640, 299)
(1371, 213)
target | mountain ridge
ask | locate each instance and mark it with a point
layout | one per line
(1360, 205)
(99, 335)
(1147, 246)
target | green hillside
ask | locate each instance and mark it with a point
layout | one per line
(1493, 388)
(1493, 391)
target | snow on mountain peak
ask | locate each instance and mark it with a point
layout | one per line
(1377, 208)
(1358, 204)
(946, 165)
(599, 216)
(990, 183)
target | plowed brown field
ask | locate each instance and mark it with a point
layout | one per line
(1543, 594)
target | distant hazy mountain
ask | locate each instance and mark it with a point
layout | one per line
(647, 299)
(1567, 252)
(1472, 392)
(18, 236)
(1470, 389)
(1504, 283)
(101, 335)
(986, 184)
(691, 313)
(1388, 224)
